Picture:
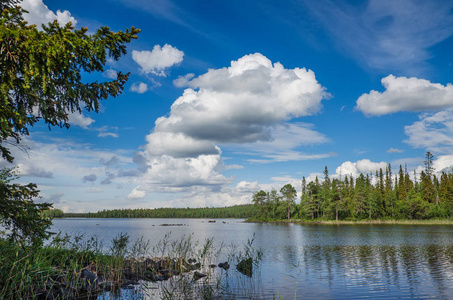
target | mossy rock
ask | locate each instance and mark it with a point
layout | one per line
(245, 266)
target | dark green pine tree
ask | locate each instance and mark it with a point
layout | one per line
(429, 169)
(380, 193)
(311, 204)
(361, 197)
(303, 197)
(259, 200)
(389, 192)
(337, 204)
(41, 81)
(289, 194)
(371, 200)
(401, 190)
(325, 194)
(446, 194)
(427, 188)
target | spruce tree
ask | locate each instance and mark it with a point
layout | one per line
(41, 80)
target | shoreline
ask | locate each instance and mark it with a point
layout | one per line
(360, 222)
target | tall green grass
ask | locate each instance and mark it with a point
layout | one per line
(27, 272)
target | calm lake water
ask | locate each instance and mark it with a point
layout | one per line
(309, 261)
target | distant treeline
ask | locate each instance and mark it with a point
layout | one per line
(53, 213)
(237, 211)
(377, 196)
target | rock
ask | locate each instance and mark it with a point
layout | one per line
(245, 266)
(151, 264)
(197, 275)
(106, 285)
(224, 265)
(128, 287)
(91, 280)
(196, 266)
(64, 293)
(166, 273)
(155, 278)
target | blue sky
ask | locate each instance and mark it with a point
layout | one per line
(227, 98)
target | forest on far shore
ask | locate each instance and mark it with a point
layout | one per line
(237, 212)
(378, 196)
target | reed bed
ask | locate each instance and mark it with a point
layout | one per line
(76, 267)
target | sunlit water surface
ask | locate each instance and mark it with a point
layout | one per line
(307, 261)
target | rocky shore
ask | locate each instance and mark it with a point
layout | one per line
(91, 281)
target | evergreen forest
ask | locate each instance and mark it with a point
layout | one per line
(237, 211)
(382, 195)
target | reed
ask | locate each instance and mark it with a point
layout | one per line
(27, 272)
(180, 269)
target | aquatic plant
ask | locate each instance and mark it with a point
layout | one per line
(73, 267)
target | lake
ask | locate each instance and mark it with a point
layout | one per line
(306, 261)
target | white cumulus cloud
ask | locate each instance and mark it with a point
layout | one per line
(158, 60)
(239, 104)
(442, 163)
(110, 74)
(183, 81)
(136, 194)
(247, 103)
(32, 170)
(79, 119)
(364, 166)
(39, 13)
(285, 138)
(406, 94)
(434, 131)
(169, 174)
(139, 88)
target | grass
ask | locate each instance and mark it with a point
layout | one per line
(244, 286)
(54, 271)
(27, 272)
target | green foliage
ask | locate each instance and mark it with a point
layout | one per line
(119, 245)
(289, 195)
(275, 206)
(52, 213)
(19, 215)
(237, 211)
(41, 72)
(383, 197)
(261, 202)
(24, 272)
(41, 79)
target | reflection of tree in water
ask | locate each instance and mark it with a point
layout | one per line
(395, 270)
(389, 258)
(437, 262)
